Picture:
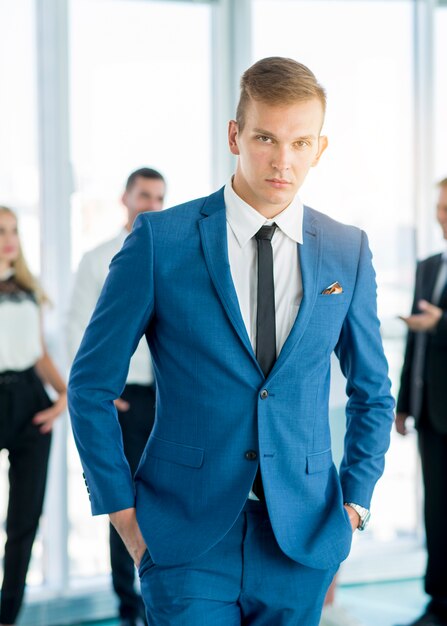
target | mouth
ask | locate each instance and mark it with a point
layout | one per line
(278, 183)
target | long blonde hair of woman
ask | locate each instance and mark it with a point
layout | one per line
(23, 275)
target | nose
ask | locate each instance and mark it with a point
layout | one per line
(281, 160)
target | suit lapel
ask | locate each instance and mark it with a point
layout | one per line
(213, 234)
(309, 254)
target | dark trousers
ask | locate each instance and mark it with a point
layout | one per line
(136, 425)
(243, 580)
(21, 396)
(433, 451)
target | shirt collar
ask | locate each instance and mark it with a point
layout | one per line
(245, 221)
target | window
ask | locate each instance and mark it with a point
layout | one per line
(440, 84)
(140, 95)
(19, 171)
(19, 176)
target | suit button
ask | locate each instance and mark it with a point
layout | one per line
(251, 455)
(264, 394)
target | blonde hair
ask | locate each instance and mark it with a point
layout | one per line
(22, 273)
(278, 80)
(443, 183)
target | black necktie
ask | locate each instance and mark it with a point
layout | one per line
(265, 322)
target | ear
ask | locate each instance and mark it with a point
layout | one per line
(322, 145)
(232, 137)
(124, 198)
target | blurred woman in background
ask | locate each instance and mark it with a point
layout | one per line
(26, 412)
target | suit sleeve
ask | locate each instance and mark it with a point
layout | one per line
(403, 398)
(369, 410)
(99, 372)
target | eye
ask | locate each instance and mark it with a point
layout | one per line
(264, 139)
(302, 143)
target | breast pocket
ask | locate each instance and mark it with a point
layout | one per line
(331, 300)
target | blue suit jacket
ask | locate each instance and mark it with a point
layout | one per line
(172, 281)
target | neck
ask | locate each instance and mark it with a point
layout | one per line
(270, 213)
(4, 267)
(131, 216)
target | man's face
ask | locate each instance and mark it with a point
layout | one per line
(146, 194)
(276, 148)
(441, 210)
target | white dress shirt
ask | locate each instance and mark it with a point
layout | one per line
(90, 277)
(243, 222)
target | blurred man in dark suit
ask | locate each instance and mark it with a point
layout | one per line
(423, 395)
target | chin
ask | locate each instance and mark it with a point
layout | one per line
(280, 198)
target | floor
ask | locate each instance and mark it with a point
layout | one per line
(379, 604)
(384, 604)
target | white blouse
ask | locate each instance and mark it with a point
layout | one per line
(20, 342)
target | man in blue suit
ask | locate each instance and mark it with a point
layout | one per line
(236, 514)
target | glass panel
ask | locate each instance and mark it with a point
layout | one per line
(441, 93)
(140, 95)
(365, 177)
(19, 175)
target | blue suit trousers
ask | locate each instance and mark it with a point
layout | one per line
(244, 580)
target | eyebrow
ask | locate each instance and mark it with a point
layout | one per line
(261, 131)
